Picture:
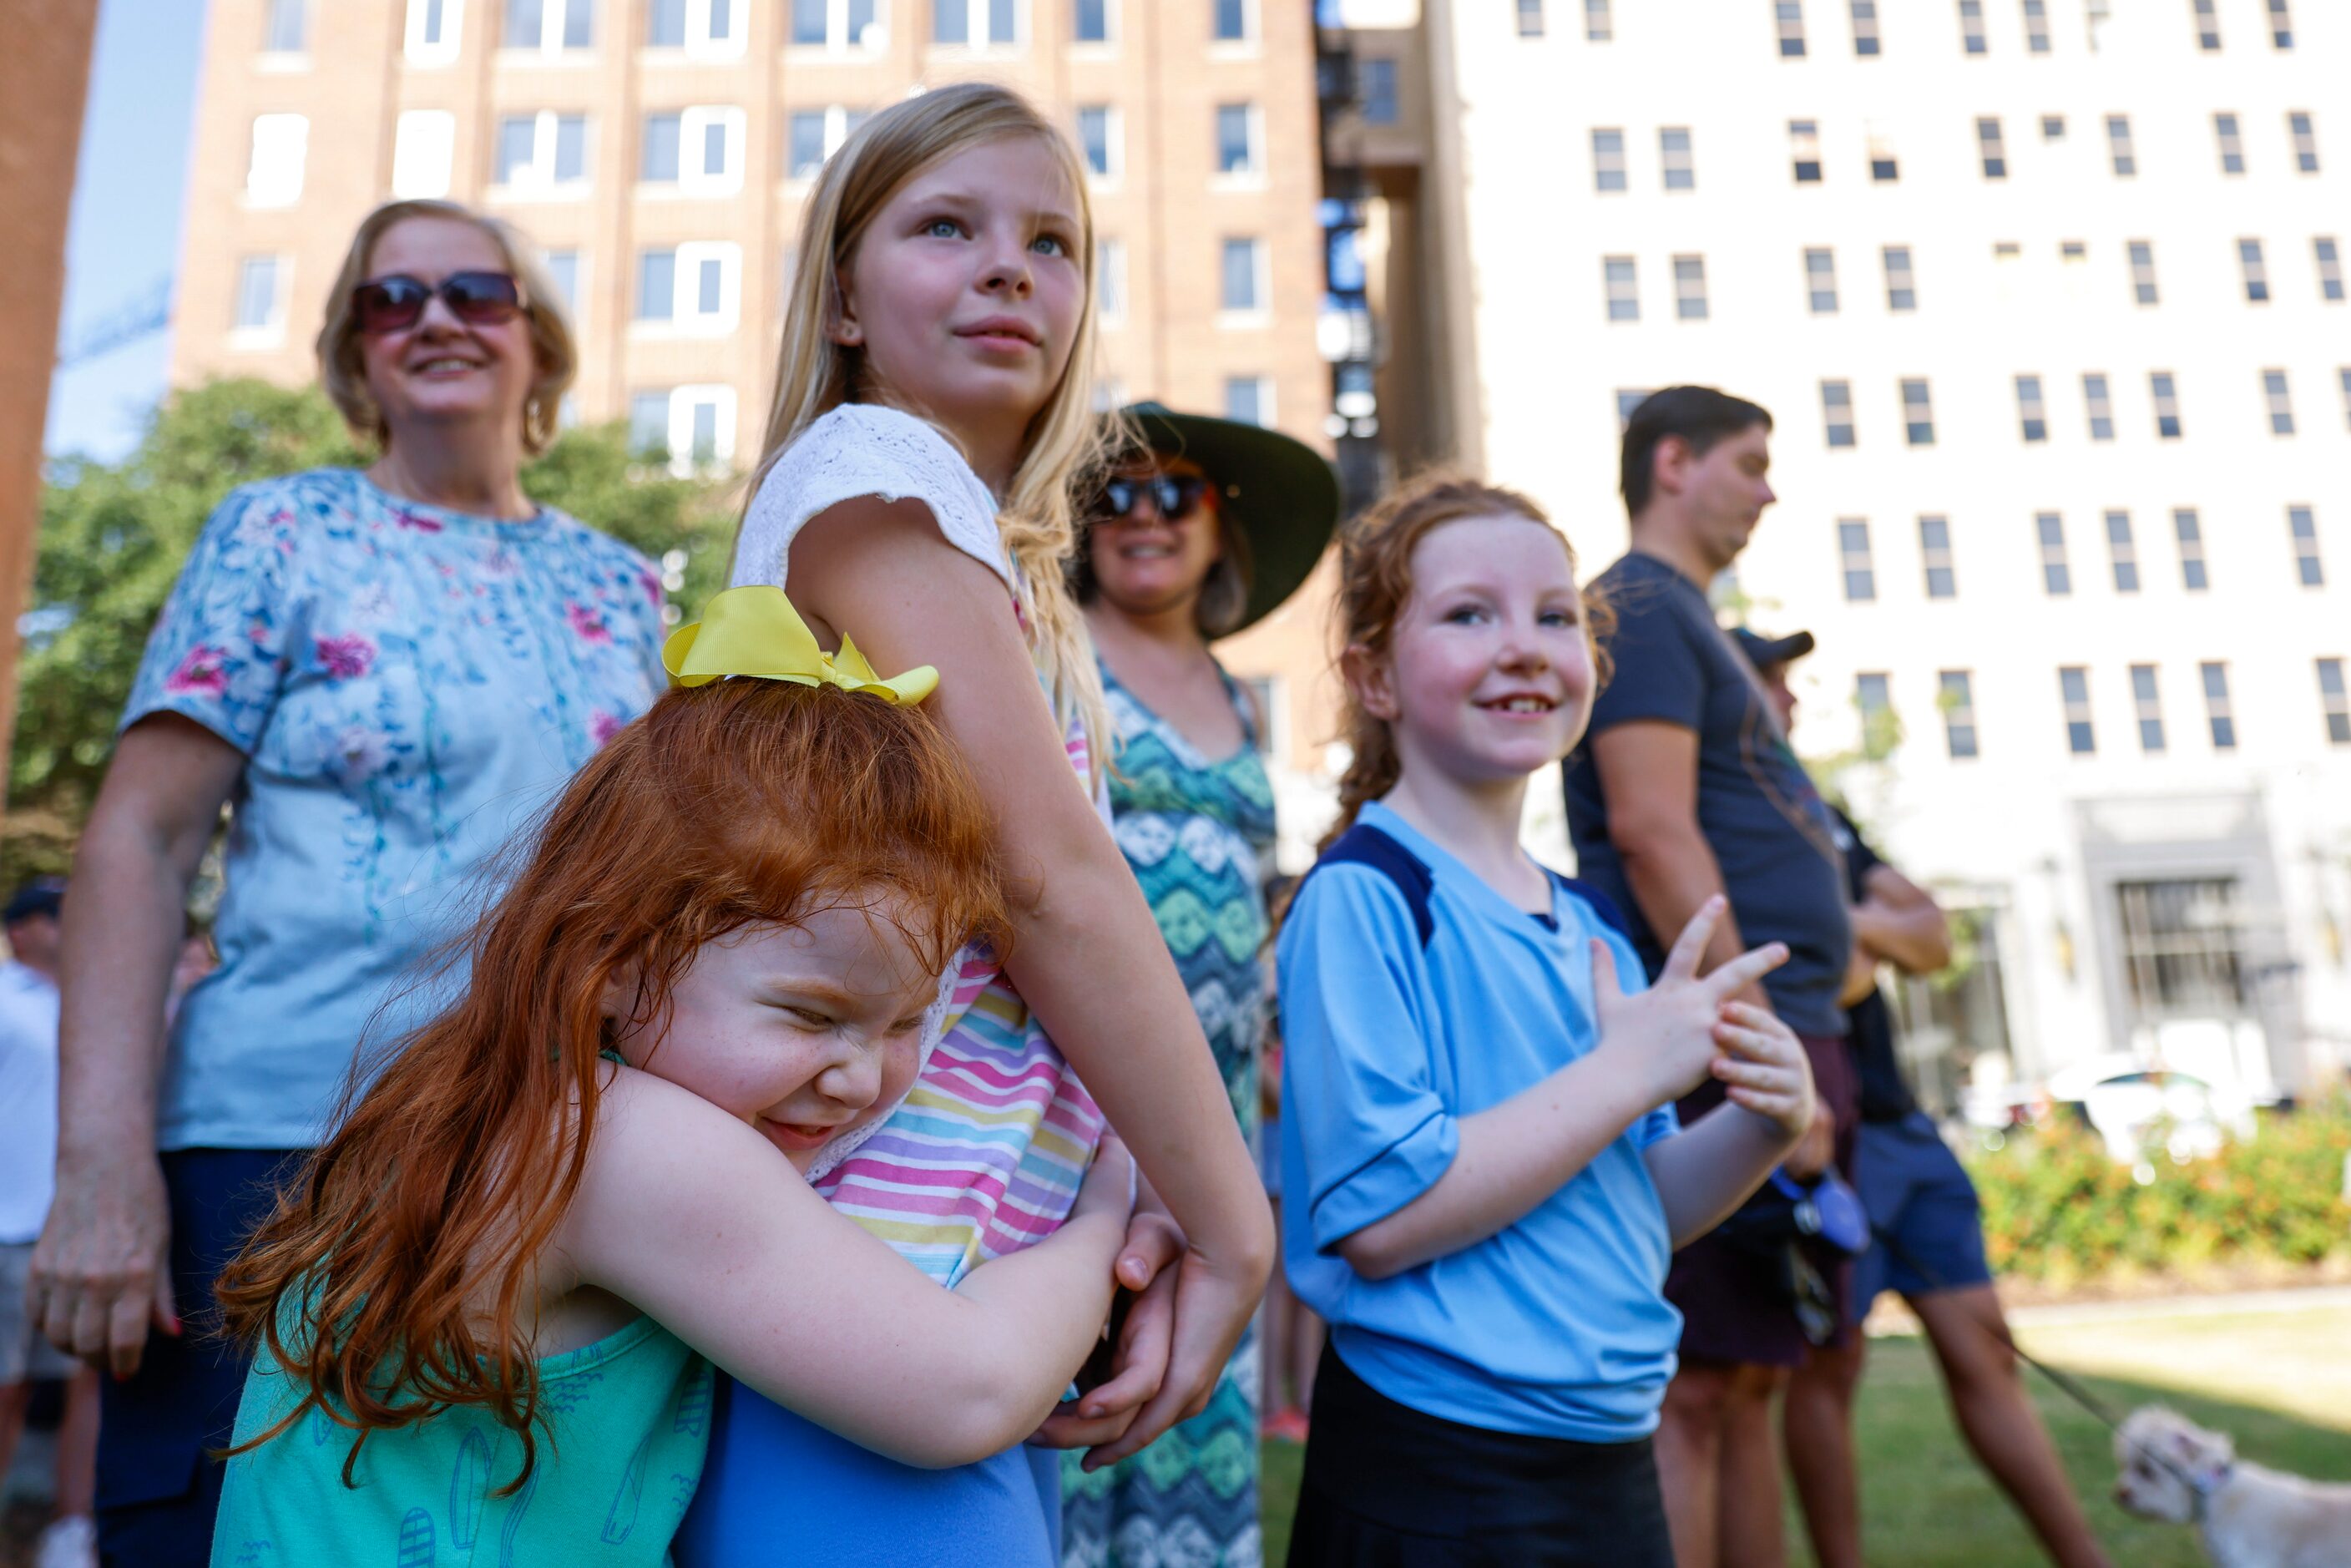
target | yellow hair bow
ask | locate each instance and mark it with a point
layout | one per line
(756, 631)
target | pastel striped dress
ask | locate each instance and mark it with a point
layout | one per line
(983, 1158)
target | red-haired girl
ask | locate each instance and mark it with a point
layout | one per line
(490, 1311)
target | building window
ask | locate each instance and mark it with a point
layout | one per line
(1804, 150)
(2183, 948)
(2146, 702)
(423, 142)
(2052, 128)
(2036, 26)
(1378, 82)
(1249, 400)
(433, 29)
(1627, 400)
(2330, 270)
(1992, 146)
(1884, 169)
(694, 288)
(1674, 149)
(2337, 704)
(1901, 286)
(804, 144)
(1241, 139)
(542, 152)
(1971, 26)
(2345, 376)
(2280, 402)
(1873, 697)
(848, 24)
(1623, 288)
(1955, 695)
(2142, 267)
(2123, 549)
(2303, 523)
(1608, 161)
(2166, 392)
(2232, 145)
(700, 149)
(1852, 559)
(1837, 412)
(715, 26)
(2032, 413)
(1788, 16)
(1530, 19)
(1235, 21)
(287, 29)
(2304, 135)
(2219, 713)
(1099, 138)
(2100, 406)
(985, 24)
(1935, 551)
(689, 427)
(2118, 146)
(1090, 22)
(1820, 281)
(2073, 690)
(1243, 276)
(1689, 287)
(2281, 25)
(1918, 413)
(1110, 282)
(2057, 577)
(1865, 41)
(563, 266)
(2208, 26)
(1599, 26)
(273, 175)
(2189, 529)
(548, 26)
(260, 310)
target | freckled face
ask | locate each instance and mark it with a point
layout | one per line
(805, 1031)
(1489, 675)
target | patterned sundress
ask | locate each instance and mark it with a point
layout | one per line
(1194, 830)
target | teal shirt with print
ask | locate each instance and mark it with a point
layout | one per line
(410, 687)
(625, 1424)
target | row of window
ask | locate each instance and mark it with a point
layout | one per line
(1839, 430)
(557, 27)
(1955, 700)
(1858, 565)
(1868, 41)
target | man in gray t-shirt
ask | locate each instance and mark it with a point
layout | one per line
(1683, 788)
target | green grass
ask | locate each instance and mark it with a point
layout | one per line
(2271, 1380)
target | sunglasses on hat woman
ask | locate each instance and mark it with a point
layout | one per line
(1176, 496)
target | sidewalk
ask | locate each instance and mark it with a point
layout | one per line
(1891, 1318)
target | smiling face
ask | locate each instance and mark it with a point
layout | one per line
(804, 1031)
(1489, 672)
(964, 293)
(443, 372)
(1146, 563)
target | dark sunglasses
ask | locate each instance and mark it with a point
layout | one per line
(1176, 496)
(396, 303)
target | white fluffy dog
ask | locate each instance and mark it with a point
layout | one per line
(2250, 1517)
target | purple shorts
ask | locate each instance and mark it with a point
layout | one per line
(1735, 1307)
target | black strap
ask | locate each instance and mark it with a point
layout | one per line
(1365, 845)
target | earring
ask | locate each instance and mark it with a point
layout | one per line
(851, 336)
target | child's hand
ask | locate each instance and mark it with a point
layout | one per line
(1110, 1186)
(1667, 1034)
(1764, 1069)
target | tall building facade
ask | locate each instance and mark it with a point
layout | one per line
(2047, 298)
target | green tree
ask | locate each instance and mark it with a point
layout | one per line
(113, 537)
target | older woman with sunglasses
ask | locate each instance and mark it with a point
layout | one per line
(380, 673)
(1203, 529)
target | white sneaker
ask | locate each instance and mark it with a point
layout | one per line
(69, 1543)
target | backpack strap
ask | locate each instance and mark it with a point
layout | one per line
(1365, 845)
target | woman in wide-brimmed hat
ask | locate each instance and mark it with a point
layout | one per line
(1205, 526)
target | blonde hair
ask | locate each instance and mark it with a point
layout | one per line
(343, 372)
(1066, 440)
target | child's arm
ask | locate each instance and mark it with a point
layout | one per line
(694, 1219)
(1089, 958)
(1511, 1156)
(1705, 1171)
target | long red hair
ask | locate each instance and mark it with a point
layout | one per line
(395, 1279)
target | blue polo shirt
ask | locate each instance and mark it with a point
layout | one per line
(1413, 995)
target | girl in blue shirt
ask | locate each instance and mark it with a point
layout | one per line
(1481, 1168)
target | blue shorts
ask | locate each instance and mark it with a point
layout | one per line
(1918, 1192)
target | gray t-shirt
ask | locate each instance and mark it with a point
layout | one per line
(1766, 824)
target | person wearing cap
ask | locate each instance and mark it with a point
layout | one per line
(1203, 528)
(1685, 789)
(1921, 1200)
(29, 1144)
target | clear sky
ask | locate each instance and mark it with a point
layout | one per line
(128, 191)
